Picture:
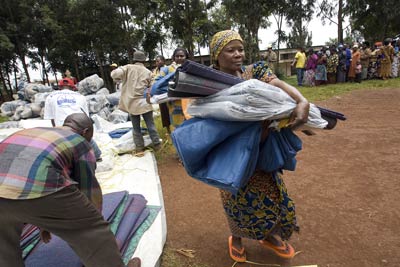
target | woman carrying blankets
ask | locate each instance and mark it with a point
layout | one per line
(262, 209)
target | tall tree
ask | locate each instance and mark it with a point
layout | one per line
(376, 20)
(334, 12)
(298, 13)
(250, 18)
(14, 15)
(182, 19)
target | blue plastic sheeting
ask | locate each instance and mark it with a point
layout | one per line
(225, 154)
(137, 204)
(117, 133)
(203, 71)
(279, 151)
(161, 86)
(220, 153)
(59, 253)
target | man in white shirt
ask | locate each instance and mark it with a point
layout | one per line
(66, 101)
(61, 103)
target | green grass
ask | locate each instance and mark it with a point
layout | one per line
(327, 91)
(3, 119)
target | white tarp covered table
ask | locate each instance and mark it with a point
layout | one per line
(125, 172)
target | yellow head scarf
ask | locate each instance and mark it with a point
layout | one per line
(220, 40)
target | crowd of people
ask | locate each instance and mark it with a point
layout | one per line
(347, 63)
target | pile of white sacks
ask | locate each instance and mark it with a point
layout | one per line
(32, 99)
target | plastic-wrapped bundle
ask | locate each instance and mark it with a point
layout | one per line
(17, 113)
(104, 113)
(36, 109)
(96, 102)
(114, 98)
(33, 88)
(40, 98)
(21, 89)
(90, 84)
(8, 108)
(125, 143)
(251, 100)
(103, 91)
(118, 116)
(9, 124)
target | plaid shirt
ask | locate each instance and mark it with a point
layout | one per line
(40, 161)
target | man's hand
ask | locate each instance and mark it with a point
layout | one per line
(45, 236)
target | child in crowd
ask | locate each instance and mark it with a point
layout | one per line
(358, 71)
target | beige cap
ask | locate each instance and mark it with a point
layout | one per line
(139, 56)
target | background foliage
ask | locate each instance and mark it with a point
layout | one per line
(86, 36)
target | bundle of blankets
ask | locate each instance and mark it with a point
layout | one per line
(129, 218)
(32, 97)
(226, 128)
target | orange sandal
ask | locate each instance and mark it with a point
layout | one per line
(285, 251)
(242, 253)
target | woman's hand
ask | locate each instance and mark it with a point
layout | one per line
(299, 115)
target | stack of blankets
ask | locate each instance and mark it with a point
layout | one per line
(129, 218)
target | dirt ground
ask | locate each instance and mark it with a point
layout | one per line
(346, 189)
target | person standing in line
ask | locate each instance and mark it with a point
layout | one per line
(332, 65)
(341, 72)
(262, 209)
(47, 179)
(270, 57)
(65, 101)
(299, 62)
(365, 55)
(358, 71)
(355, 57)
(395, 63)
(387, 54)
(311, 65)
(135, 79)
(348, 60)
(320, 71)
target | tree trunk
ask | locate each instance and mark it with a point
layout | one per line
(340, 22)
(24, 65)
(76, 67)
(3, 80)
(45, 75)
(10, 92)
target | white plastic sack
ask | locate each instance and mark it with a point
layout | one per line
(40, 98)
(251, 100)
(9, 124)
(33, 88)
(125, 143)
(118, 116)
(96, 102)
(104, 113)
(114, 98)
(8, 108)
(90, 84)
(103, 91)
